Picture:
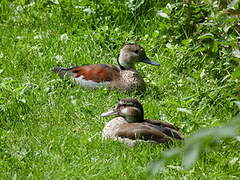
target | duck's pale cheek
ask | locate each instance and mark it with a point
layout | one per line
(130, 114)
(125, 111)
(89, 83)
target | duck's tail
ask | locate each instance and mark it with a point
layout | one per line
(169, 132)
(175, 134)
(61, 71)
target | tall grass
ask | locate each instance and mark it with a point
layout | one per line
(51, 128)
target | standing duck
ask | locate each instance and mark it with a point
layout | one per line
(130, 126)
(122, 77)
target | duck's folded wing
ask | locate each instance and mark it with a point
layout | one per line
(167, 131)
(161, 123)
(142, 131)
(95, 72)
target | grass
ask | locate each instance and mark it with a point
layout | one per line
(51, 128)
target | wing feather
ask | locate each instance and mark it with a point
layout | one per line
(142, 131)
(161, 123)
(95, 72)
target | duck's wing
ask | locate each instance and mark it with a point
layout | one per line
(167, 131)
(161, 123)
(142, 131)
(96, 73)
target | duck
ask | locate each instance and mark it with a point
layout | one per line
(130, 127)
(122, 77)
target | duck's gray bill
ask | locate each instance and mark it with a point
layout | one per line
(149, 61)
(109, 113)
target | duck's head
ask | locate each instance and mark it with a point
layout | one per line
(132, 54)
(129, 108)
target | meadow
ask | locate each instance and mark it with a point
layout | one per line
(50, 128)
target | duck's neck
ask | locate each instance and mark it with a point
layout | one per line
(123, 65)
(135, 118)
(133, 114)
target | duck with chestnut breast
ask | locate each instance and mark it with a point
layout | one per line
(130, 126)
(122, 77)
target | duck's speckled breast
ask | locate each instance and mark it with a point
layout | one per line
(129, 80)
(111, 128)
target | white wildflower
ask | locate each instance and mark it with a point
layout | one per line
(78, 7)
(162, 14)
(31, 4)
(55, 1)
(64, 37)
(34, 48)
(203, 73)
(184, 110)
(163, 117)
(59, 58)
(88, 11)
(40, 54)
(19, 37)
(236, 53)
(234, 161)
(37, 36)
(169, 46)
(19, 8)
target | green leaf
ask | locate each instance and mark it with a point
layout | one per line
(236, 73)
(237, 103)
(235, 122)
(202, 74)
(191, 155)
(226, 28)
(138, 4)
(206, 36)
(225, 132)
(171, 153)
(19, 89)
(206, 135)
(155, 34)
(158, 166)
(187, 42)
(215, 46)
(201, 49)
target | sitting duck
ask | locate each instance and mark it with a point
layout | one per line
(130, 126)
(122, 77)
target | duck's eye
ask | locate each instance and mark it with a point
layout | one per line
(124, 105)
(136, 51)
(128, 104)
(121, 105)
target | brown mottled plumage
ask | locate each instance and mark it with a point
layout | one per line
(130, 125)
(124, 77)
